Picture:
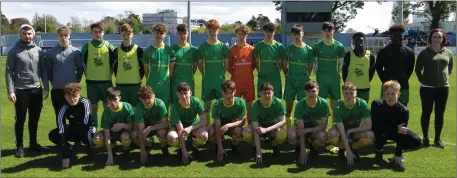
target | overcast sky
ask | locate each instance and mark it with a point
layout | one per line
(373, 14)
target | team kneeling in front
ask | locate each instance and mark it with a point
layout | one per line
(355, 126)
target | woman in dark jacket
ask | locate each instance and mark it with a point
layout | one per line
(433, 67)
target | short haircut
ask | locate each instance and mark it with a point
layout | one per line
(213, 24)
(97, 25)
(145, 92)
(269, 27)
(311, 85)
(358, 34)
(26, 28)
(266, 87)
(183, 86)
(182, 28)
(296, 29)
(242, 28)
(160, 27)
(349, 85)
(228, 85)
(72, 89)
(112, 93)
(63, 29)
(126, 28)
(328, 26)
(435, 30)
(391, 84)
(397, 28)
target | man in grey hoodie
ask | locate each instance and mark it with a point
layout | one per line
(63, 64)
(24, 68)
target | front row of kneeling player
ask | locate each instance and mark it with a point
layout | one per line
(352, 129)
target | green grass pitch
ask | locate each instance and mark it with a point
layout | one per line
(429, 162)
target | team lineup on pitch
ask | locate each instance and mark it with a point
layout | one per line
(166, 107)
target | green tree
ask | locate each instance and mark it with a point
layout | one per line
(278, 28)
(147, 31)
(5, 24)
(351, 30)
(200, 30)
(407, 10)
(342, 12)
(434, 11)
(39, 23)
(252, 22)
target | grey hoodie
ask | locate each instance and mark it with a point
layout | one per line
(24, 67)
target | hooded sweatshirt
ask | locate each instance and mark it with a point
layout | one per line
(25, 66)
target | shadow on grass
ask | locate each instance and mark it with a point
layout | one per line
(28, 152)
(338, 167)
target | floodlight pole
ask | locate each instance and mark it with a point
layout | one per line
(189, 23)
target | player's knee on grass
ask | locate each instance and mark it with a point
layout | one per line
(292, 137)
(319, 139)
(248, 134)
(125, 139)
(99, 139)
(280, 136)
(173, 138)
(334, 136)
(54, 136)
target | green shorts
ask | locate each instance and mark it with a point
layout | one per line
(274, 79)
(174, 89)
(294, 89)
(329, 87)
(364, 94)
(210, 94)
(97, 91)
(404, 96)
(129, 93)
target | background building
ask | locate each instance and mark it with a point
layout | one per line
(311, 15)
(423, 24)
(167, 16)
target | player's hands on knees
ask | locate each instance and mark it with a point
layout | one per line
(143, 157)
(65, 163)
(186, 131)
(258, 157)
(303, 157)
(261, 130)
(12, 97)
(109, 160)
(224, 129)
(117, 127)
(146, 132)
(350, 158)
(402, 129)
(302, 131)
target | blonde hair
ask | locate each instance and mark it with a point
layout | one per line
(63, 29)
(349, 85)
(391, 84)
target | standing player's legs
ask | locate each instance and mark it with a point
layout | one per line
(440, 106)
(277, 85)
(58, 100)
(334, 92)
(290, 93)
(427, 100)
(164, 95)
(35, 106)
(364, 94)
(20, 106)
(97, 92)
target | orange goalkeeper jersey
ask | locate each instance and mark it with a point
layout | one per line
(241, 63)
